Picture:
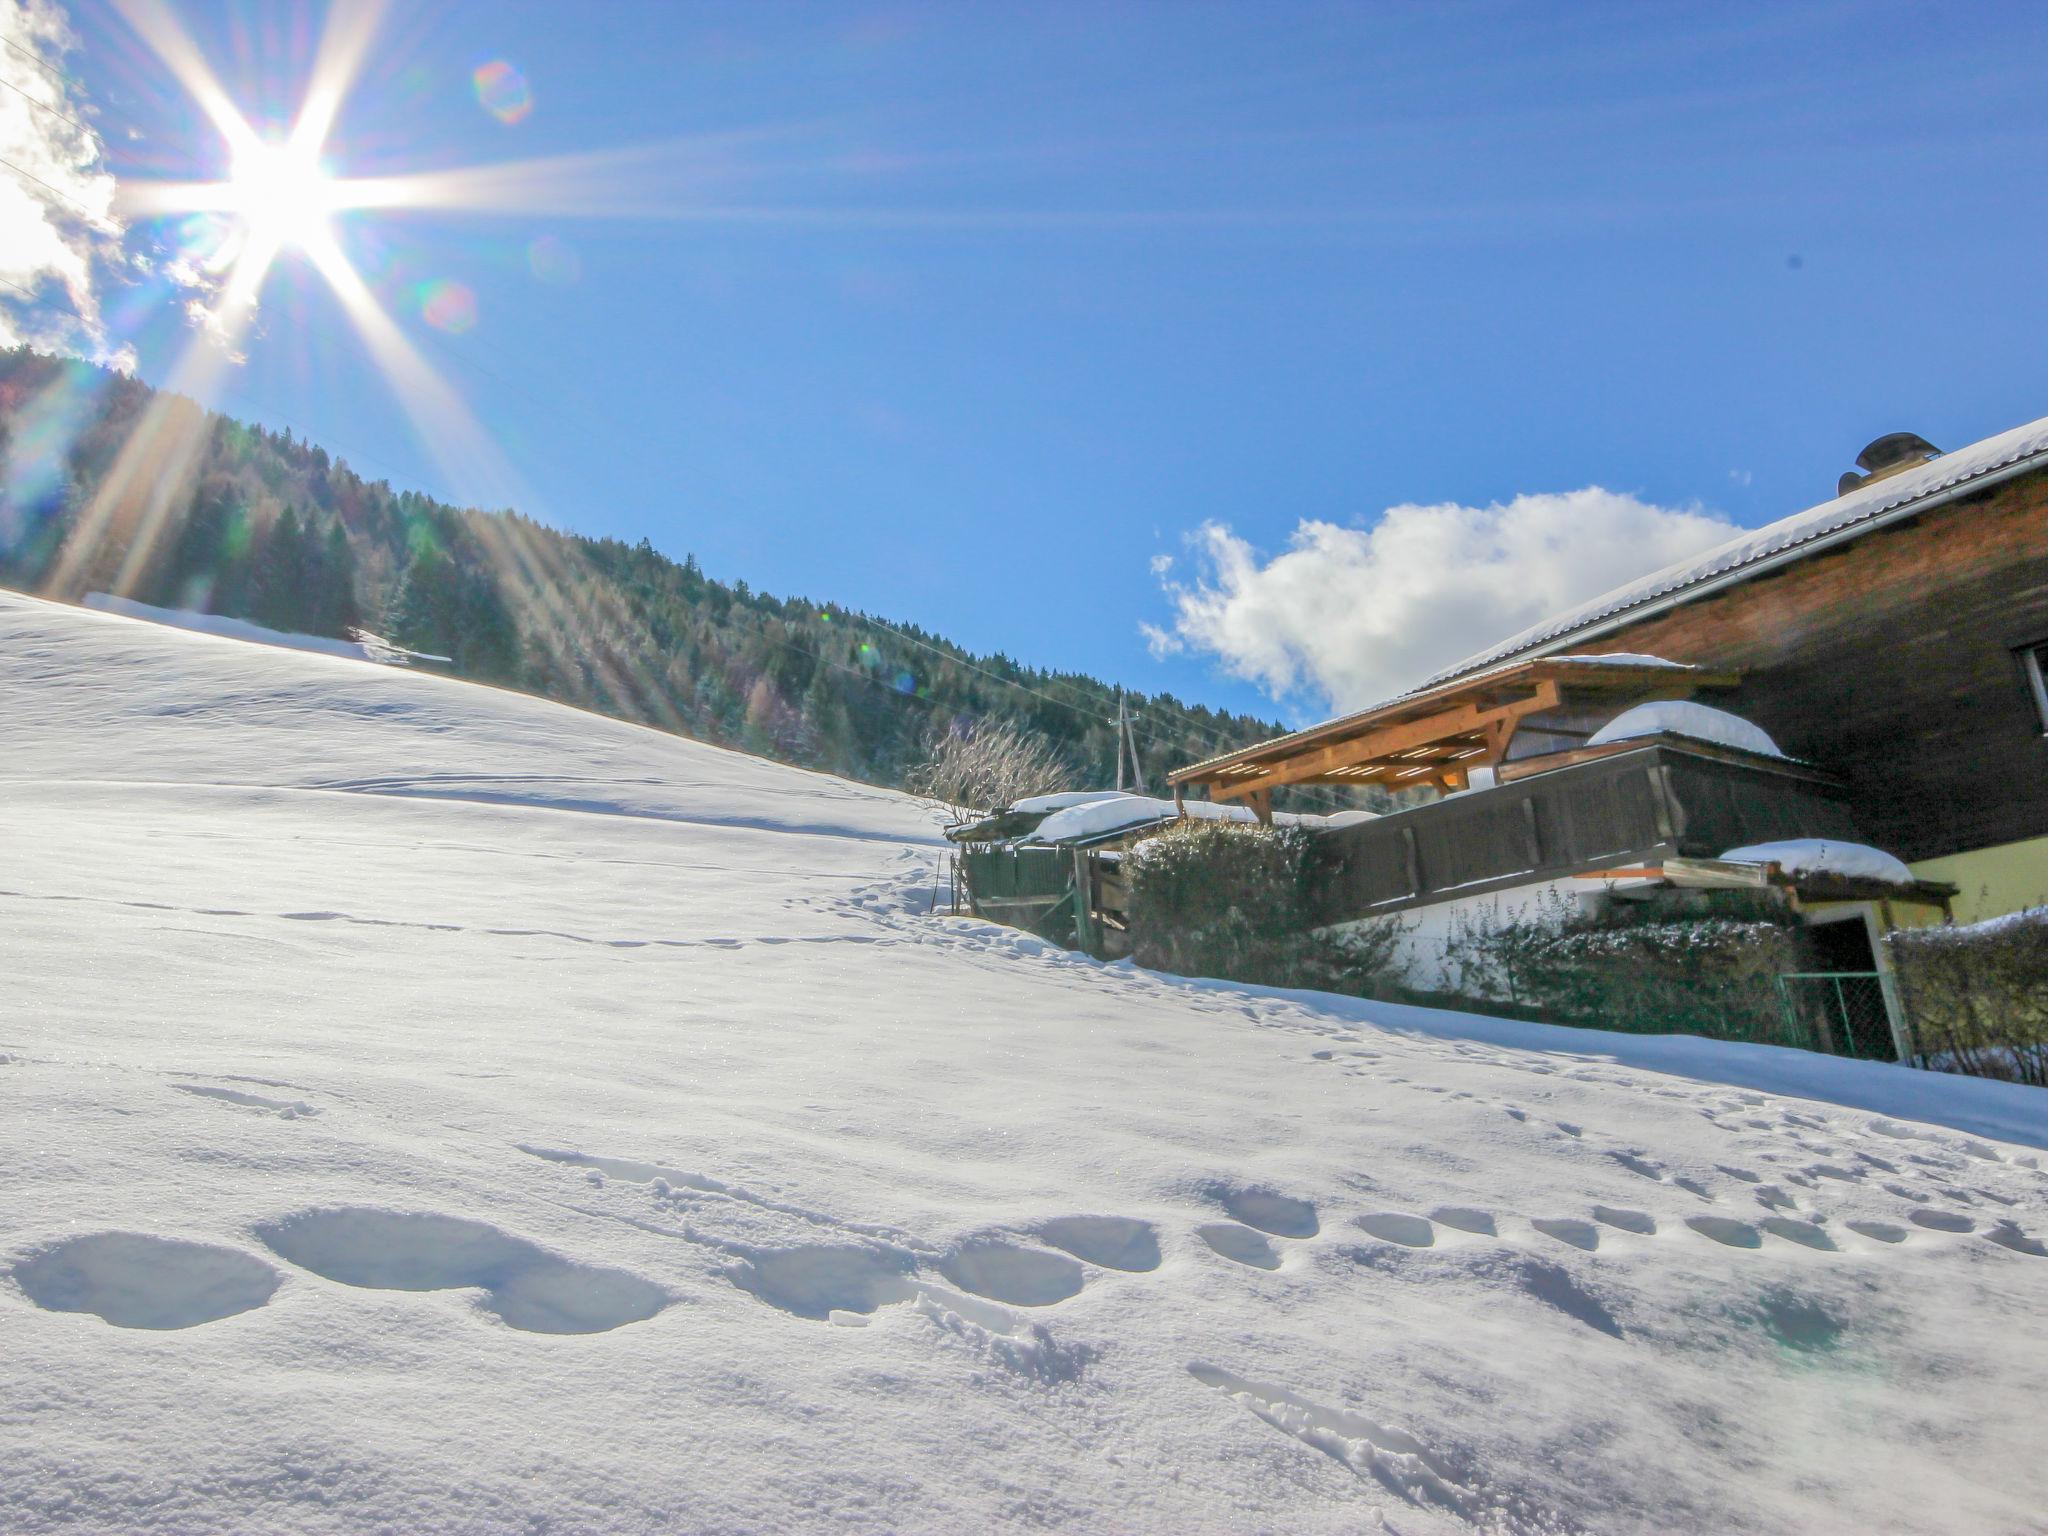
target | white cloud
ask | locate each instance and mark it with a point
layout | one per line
(1352, 615)
(55, 194)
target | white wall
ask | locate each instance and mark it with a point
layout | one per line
(1430, 928)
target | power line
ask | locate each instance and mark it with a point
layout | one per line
(39, 61)
(36, 102)
(98, 221)
(1007, 682)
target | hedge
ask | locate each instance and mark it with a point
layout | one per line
(1235, 900)
(1977, 996)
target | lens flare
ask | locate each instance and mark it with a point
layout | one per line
(280, 196)
(447, 305)
(502, 91)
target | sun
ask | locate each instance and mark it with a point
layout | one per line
(283, 195)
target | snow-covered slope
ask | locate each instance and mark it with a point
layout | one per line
(423, 1108)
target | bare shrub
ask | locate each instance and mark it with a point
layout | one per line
(975, 767)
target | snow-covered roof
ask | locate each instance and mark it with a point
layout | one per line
(1035, 804)
(1682, 717)
(1627, 659)
(1861, 510)
(1815, 856)
(1124, 813)
(1346, 818)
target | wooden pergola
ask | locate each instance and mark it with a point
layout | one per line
(1436, 737)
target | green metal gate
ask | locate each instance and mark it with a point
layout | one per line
(1846, 1013)
(1029, 888)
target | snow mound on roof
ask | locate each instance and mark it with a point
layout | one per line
(1813, 856)
(1122, 813)
(1097, 818)
(1349, 818)
(1680, 717)
(1034, 804)
(1628, 659)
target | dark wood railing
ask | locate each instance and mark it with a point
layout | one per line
(1664, 797)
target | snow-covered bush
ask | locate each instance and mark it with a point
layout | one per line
(1636, 967)
(1977, 996)
(1236, 900)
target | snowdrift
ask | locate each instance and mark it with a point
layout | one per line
(428, 1108)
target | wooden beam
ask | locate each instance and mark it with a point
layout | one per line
(1602, 677)
(1498, 735)
(1377, 746)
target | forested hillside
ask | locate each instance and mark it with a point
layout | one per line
(211, 514)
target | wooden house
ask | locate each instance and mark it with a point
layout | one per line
(1892, 642)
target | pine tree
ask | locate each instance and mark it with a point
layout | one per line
(275, 595)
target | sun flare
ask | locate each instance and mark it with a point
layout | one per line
(283, 195)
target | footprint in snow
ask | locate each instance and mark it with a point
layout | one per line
(1398, 1227)
(525, 1285)
(1724, 1230)
(1940, 1221)
(134, 1280)
(816, 1280)
(1465, 1219)
(1638, 1165)
(2007, 1234)
(1111, 1242)
(1024, 1277)
(1280, 1215)
(1805, 1233)
(1642, 1223)
(1240, 1244)
(846, 1283)
(1567, 1229)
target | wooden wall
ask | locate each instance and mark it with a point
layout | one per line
(1635, 807)
(1890, 662)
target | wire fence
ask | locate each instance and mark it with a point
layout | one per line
(1845, 1013)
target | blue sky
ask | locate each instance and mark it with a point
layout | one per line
(936, 293)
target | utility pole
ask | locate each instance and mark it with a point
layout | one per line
(1119, 739)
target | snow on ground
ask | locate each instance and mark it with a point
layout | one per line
(233, 629)
(426, 1108)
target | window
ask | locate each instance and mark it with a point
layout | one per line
(2034, 662)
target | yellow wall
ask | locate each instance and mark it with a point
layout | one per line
(1993, 881)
